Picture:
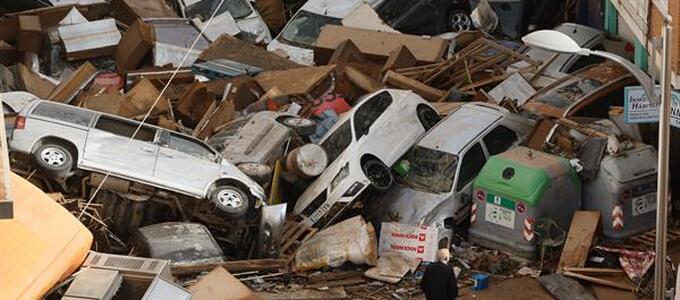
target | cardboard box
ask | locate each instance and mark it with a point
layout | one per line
(91, 39)
(134, 46)
(128, 11)
(376, 45)
(29, 36)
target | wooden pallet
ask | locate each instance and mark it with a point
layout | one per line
(649, 238)
(294, 234)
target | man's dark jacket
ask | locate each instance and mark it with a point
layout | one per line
(439, 282)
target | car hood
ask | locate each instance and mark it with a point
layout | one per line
(404, 205)
(256, 27)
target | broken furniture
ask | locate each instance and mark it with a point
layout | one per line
(513, 191)
(481, 63)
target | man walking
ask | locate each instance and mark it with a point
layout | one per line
(439, 281)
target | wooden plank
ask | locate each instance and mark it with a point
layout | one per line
(67, 90)
(594, 270)
(599, 281)
(330, 276)
(397, 80)
(236, 266)
(584, 226)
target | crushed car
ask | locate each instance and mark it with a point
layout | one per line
(260, 137)
(246, 17)
(436, 188)
(361, 147)
(60, 138)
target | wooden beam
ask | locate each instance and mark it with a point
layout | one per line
(236, 266)
(584, 226)
(400, 81)
(613, 284)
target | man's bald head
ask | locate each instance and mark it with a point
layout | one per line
(443, 255)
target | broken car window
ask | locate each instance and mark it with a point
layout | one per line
(204, 9)
(570, 92)
(189, 146)
(336, 143)
(473, 161)
(126, 129)
(305, 28)
(370, 111)
(430, 170)
(63, 113)
(499, 139)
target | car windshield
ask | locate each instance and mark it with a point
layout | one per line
(338, 141)
(203, 9)
(305, 28)
(430, 170)
(569, 92)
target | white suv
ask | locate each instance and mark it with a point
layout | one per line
(62, 137)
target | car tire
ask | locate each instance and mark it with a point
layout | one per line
(301, 126)
(378, 173)
(459, 20)
(428, 117)
(231, 201)
(54, 160)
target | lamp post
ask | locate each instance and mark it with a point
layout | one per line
(556, 41)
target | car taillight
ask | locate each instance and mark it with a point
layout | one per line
(19, 122)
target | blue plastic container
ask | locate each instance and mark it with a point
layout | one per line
(481, 281)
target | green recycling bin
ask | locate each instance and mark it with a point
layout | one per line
(515, 190)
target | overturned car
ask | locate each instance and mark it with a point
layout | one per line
(361, 147)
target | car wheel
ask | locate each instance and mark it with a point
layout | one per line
(428, 117)
(230, 200)
(459, 20)
(378, 173)
(53, 159)
(301, 126)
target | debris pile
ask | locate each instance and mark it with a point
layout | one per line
(317, 150)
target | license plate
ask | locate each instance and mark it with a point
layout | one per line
(644, 204)
(499, 215)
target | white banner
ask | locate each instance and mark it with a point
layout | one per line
(412, 241)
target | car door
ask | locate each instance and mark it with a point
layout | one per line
(109, 147)
(473, 160)
(186, 164)
(379, 133)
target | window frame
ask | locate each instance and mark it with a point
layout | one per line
(458, 187)
(377, 97)
(134, 125)
(165, 143)
(497, 126)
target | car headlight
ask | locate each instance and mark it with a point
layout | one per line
(340, 177)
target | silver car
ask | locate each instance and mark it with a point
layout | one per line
(61, 138)
(437, 188)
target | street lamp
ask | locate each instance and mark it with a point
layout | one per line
(556, 41)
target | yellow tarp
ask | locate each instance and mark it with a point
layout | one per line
(41, 246)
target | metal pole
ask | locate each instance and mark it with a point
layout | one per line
(662, 181)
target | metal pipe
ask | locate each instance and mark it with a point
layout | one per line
(662, 182)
